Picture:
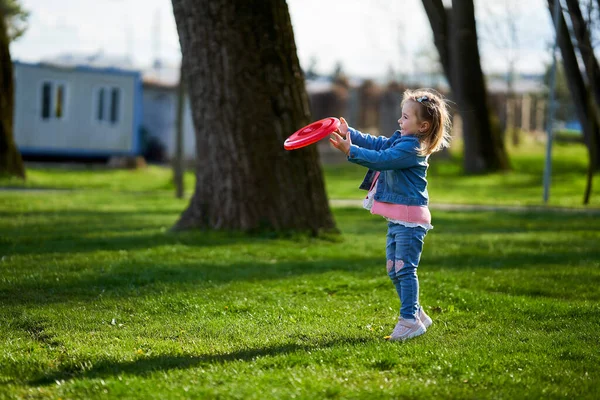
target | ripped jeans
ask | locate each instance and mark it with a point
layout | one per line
(403, 252)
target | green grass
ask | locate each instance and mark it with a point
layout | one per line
(99, 300)
(522, 186)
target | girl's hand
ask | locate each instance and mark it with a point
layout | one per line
(340, 143)
(343, 128)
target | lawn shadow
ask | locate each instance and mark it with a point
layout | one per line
(502, 221)
(146, 365)
(144, 278)
(132, 280)
(86, 232)
(127, 240)
(81, 231)
(130, 275)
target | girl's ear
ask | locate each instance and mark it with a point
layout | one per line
(424, 126)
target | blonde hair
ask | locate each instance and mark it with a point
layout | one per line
(433, 108)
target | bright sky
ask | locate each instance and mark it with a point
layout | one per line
(367, 38)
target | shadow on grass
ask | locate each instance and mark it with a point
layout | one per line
(139, 279)
(86, 231)
(147, 365)
(127, 240)
(137, 274)
(71, 213)
(127, 279)
(476, 222)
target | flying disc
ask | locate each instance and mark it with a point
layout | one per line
(311, 133)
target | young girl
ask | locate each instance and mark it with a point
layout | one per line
(397, 187)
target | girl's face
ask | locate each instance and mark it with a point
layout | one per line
(409, 123)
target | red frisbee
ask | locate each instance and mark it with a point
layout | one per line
(311, 133)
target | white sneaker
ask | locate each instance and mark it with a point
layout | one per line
(407, 328)
(425, 319)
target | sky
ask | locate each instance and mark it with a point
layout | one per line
(368, 39)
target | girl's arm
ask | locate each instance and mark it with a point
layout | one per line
(365, 140)
(361, 139)
(401, 156)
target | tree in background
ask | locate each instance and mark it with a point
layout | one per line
(582, 28)
(247, 94)
(12, 25)
(455, 37)
(564, 108)
(585, 90)
(15, 18)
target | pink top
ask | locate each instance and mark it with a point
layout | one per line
(398, 213)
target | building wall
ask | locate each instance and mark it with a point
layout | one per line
(78, 131)
(160, 120)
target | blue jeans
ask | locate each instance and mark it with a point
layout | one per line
(403, 252)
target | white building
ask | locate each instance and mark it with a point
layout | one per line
(159, 119)
(80, 111)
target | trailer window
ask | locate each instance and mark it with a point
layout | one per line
(114, 105)
(100, 105)
(60, 98)
(108, 104)
(53, 99)
(46, 99)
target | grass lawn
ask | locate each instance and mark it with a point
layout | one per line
(99, 300)
(522, 186)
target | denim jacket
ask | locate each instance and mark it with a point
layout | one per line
(403, 177)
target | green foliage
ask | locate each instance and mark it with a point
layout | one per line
(15, 17)
(99, 300)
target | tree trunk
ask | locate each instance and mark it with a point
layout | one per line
(248, 95)
(579, 92)
(455, 38)
(483, 146)
(582, 34)
(178, 158)
(439, 19)
(10, 159)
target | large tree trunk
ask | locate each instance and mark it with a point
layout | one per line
(247, 93)
(455, 37)
(483, 146)
(10, 158)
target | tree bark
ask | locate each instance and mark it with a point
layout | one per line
(439, 19)
(582, 34)
(579, 92)
(247, 94)
(11, 163)
(178, 158)
(483, 146)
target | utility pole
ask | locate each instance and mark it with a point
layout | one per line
(551, 108)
